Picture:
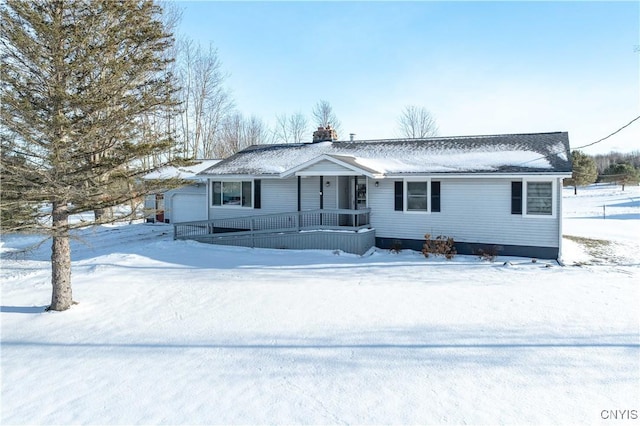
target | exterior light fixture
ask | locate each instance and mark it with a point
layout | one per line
(377, 184)
(328, 184)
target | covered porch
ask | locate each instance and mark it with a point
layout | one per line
(348, 230)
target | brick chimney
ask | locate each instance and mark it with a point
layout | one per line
(323, 134)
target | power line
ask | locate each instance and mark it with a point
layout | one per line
(584, 146)
(608, 136)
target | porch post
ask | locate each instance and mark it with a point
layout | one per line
(321, 197)
(209, 197)
(355, 192)
(321, 193)
(299, 193)
(355, 200)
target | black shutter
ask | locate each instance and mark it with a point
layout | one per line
(399, 195)
(257, 194)
(516, 197)
(435, 196)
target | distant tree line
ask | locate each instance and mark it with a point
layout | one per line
(210, 124)
(615, 167)
(604, 161)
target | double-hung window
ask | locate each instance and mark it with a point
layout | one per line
(533, 198)
(232, 193)
(417, 196)
(540, 198)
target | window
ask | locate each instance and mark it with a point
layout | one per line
(232, 194)
(417, 196)
(531, 197)
(539, 198)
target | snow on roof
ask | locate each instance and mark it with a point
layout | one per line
(183, 172)
(525, 153)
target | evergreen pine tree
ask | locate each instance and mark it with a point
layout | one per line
(622, 173)
(584, 170)
(78, 80)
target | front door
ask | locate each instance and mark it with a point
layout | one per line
(360, 189)
(345, 199)
(352, 195)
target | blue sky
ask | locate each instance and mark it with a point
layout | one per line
(479, 67)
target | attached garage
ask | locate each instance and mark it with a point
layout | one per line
(185, 204)
(186, 207)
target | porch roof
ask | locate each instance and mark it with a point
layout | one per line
(512, 153)
(346, 165)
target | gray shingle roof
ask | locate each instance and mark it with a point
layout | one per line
(511, 153)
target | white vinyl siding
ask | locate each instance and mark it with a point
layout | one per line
(473, 210)
(309, 193)
(279, 195)
(330, 192)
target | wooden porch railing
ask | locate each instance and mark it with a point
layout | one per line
(322, 219)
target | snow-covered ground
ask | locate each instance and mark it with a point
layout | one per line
(176, 332)
(608, 218)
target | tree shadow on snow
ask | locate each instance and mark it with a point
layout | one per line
(23, 309)
(621, 216)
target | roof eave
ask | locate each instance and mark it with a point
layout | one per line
(509, 175)
(237, 176)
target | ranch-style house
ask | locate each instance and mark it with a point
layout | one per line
(497, 192)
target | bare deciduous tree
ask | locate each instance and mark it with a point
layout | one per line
(205, 100)
(417, 122)
(291, 128)
(239, 132)
(323, 116)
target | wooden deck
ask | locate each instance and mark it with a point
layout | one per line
(326, 229)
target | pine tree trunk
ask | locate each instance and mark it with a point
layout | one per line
(98, 214)
(575, 190)
(61, 298)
